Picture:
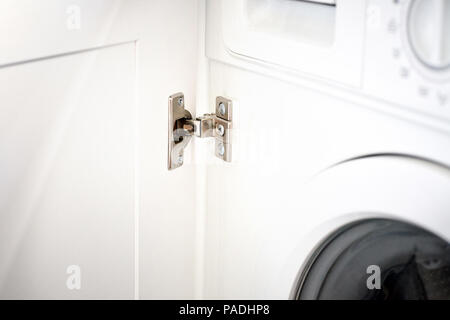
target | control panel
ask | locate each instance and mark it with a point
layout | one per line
(407, 54)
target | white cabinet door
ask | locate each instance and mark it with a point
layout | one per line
(87, 205)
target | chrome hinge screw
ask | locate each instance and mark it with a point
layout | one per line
(222, 109)
(221, 149)
(220, 129)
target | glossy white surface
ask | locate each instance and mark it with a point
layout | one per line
(83, 144)
(67, 176)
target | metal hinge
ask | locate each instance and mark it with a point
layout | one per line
(182, 127)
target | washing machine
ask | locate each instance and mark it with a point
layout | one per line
(340, 188)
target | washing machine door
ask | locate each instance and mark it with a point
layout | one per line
(384, 228)
(379, 259)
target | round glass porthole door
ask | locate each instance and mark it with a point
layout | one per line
(378, 260)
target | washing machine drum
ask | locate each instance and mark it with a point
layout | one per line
(379, 260)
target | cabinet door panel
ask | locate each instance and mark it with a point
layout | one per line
(83, 141)
(67, 166)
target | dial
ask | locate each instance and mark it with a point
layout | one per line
(429, 32)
